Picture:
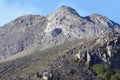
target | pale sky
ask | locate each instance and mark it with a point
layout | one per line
(11, 9)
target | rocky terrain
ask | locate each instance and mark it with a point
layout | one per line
(61, 63)
(46, 31)
(60, 46)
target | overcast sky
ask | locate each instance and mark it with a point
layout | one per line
(11, 9)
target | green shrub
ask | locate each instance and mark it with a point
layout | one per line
(116, 76)
(106, 72)
(103, 71)
(107, 75)
(113, 77)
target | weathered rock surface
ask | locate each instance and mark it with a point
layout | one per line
(106, 52)
(76, 63)
(46, 31)
(20, 34)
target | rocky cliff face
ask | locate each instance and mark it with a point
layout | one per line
(54, 29)
(21, 33)
(104, 50)
(76, 63)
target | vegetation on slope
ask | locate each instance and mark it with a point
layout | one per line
(33, 62)
(106, 72)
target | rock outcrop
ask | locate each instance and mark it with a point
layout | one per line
(72, 64)
(102, 52)
(54, 29)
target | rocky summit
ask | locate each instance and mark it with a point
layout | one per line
(60, 46)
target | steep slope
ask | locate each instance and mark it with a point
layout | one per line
(33, 62)
(21, 33)
(57, 28)
(60, 60)
(99, 19)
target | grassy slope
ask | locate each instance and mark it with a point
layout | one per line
(34, 61)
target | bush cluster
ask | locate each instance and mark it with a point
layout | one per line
(106, 72)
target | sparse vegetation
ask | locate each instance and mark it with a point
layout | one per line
(116, 76)
(106, 72)
(34, 62)
(103, 71)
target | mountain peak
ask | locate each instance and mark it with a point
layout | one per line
(97, 16)
(67, 10)
(99, 19)
(64, 7)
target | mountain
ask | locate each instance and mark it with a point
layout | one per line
(61, 26)
(33, 44)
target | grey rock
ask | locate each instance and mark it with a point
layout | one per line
(20, 34)
(24, 31)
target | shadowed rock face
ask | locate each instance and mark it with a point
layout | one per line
(65, 25)
(56, 32)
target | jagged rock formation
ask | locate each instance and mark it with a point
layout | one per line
(61, 46)
(105, 50)
(75, 63)
(99, 53)
(61, 26)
